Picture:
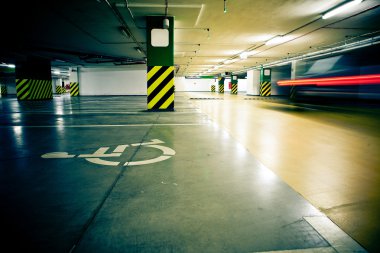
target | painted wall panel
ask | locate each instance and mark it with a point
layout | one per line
(253, 82)
(112, 81)
(183, 84)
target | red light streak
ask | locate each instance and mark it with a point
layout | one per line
(333, 81)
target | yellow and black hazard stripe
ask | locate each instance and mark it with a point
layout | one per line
(74, 89)
(58, 89)
(234, 88)
(221, 88)
(160, 81)
(30, 89)
(4, 90)
(265, 89)
(212, 88)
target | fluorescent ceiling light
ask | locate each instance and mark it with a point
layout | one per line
(340, 9)
(12, 66)
(229, 61)
(165, 23)
(243, 55)
(277, 40)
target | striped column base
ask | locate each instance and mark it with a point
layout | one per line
(74, 89)
(58, 89)
(234, 89)
(221, 88)
(30, 89)
(212, 88)
(160, 83)
(4, 90)
(265, 89)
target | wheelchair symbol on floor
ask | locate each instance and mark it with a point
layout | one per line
(98, 155)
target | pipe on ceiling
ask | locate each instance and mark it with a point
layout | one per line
(124, 24)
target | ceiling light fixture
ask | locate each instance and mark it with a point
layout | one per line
(230, 61)
(243, 55)
(340, 9)
(276, 40)
(225, 6)
(165, 23)
(12, 66)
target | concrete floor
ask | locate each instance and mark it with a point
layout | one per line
(329, 154)
(101, 174)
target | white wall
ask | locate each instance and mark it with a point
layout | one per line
(183, 84)
(112, 81)
(73, 78)
(242, 85)
(253, 82)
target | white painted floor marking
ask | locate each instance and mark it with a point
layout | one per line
(118, 151)
(120, 148)
(101, 152)
(57, 155)
(102, 162)
(166, 150)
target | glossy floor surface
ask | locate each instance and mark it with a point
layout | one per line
(101, 174)
(329, 154)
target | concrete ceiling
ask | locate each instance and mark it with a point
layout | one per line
(86, 32)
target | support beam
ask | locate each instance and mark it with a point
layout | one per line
(160, 72)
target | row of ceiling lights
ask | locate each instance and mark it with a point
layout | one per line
(282, 38)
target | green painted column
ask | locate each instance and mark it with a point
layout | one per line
(234, 84)
(221, 84)
(160, 61)
(265, 82)
(33, 79)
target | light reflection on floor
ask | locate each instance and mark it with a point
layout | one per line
(331, 158)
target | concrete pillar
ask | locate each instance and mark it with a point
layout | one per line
(221, 84)
(234, 84)
(74, 82)
(33, 79)
(160, 56)
(265, 82)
